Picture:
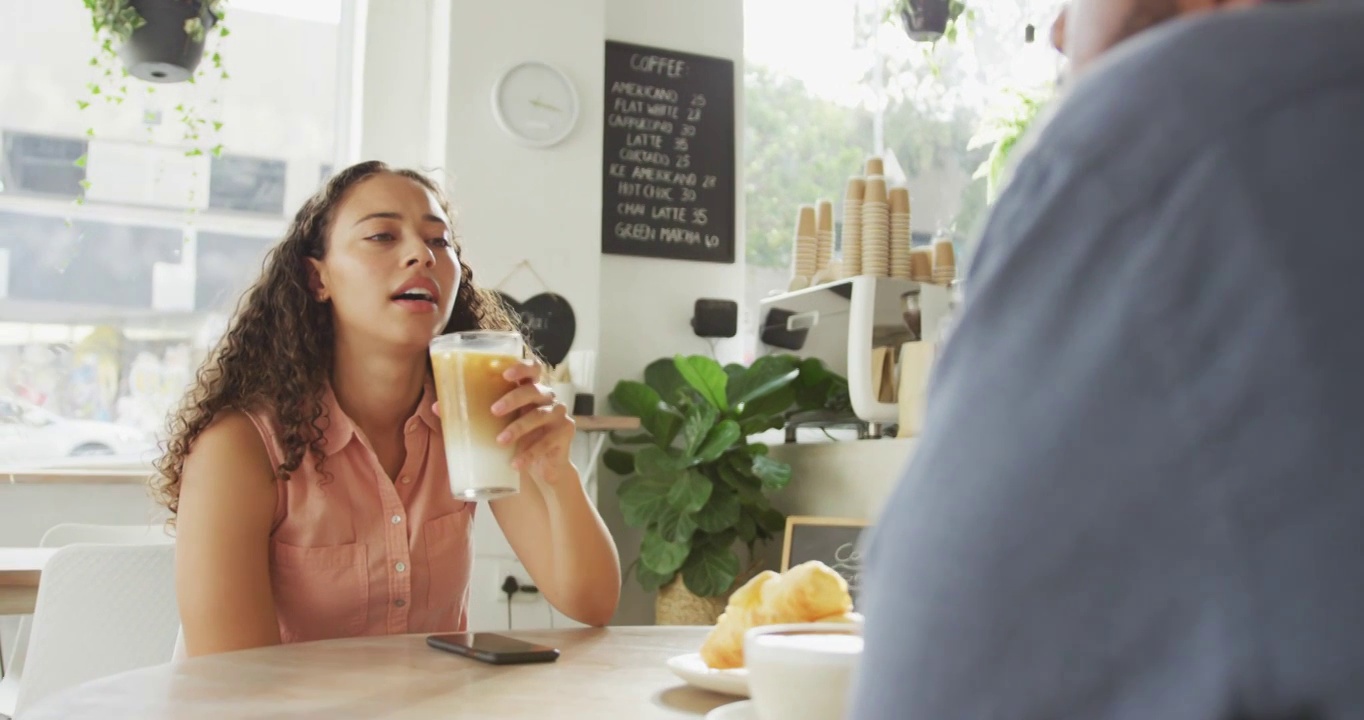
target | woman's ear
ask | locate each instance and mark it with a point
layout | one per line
(317, 280)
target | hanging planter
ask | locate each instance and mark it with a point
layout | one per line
(169, 44)
(929, 20)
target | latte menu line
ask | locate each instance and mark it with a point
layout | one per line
(668, 157)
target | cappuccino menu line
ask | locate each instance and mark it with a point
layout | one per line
(668, 187)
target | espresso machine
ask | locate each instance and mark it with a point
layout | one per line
(843, 324)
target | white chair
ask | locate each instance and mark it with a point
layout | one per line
(60, 536)
(101, 610)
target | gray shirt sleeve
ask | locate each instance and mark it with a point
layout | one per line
(1138, 491)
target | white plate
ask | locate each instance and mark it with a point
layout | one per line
(742, 710)
(695, 671)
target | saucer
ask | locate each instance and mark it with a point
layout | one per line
(694, 670)
(742, 710)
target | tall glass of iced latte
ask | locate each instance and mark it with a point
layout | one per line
(468, 368)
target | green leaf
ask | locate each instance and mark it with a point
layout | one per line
(223, 31)
(718, 441)
(82, 104)
(772, 521)
(748, 487)
(706, 376)
(661, 556)
(697, 426)
(677, 527)
(650, 580)
(85, 184)
(218, 149)
(662, 376)
(720, 513)
(774, 475)
(217, 125)
(733, 371)
(640, 439)
(766, 375)
(619, 461)
(639, 400)
(747, 528)
(643, 500)
(711, 571)
(80, 161)
(654, 461)
(689, 492)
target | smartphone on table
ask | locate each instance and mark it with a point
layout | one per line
(493, 648)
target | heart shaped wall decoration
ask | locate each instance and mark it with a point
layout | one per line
(548, 322)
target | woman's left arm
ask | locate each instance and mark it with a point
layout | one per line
(553, 528)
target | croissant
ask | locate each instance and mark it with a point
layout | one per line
(724, 645)
(809, 592)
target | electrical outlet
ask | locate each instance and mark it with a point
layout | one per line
(517, 570)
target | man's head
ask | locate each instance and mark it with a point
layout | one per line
(1089, 28)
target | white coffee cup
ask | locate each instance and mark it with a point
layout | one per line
(802, 671)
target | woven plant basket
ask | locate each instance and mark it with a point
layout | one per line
(676, 605)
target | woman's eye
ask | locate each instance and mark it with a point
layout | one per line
(441, 242)
(381, 237)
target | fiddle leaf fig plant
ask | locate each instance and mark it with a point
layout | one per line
(693, 481)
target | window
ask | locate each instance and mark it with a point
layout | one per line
(836, 82)
(109, 304)
(42, 164)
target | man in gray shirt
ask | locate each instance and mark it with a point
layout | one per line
(1140, 490)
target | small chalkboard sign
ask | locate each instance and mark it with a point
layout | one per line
(668, 156)
(832, 541)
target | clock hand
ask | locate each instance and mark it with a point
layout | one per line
(537, 102)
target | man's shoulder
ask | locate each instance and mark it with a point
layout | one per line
(1164, 98)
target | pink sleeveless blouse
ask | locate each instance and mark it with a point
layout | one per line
(355, 552)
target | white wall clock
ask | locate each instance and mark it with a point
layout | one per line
(536, 104)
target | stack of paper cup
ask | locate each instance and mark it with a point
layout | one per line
(921, 264)
(899, 234)
(875, 166)
(852, 226)
(875, 229)
(824, 235)
(944, 262)
(805, 254)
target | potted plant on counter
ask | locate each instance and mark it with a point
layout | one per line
(693, 481)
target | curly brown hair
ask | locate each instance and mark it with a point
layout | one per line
(277, 353)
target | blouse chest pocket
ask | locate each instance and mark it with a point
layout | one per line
(320, 592)
(449, 560)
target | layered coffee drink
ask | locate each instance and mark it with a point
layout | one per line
(468, 369)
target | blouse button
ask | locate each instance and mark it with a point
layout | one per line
(399, 602)
(396, 519)
(400, 567)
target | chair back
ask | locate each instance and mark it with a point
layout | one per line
(101, 610)
(60, 536)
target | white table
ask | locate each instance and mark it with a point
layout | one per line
(601, 674)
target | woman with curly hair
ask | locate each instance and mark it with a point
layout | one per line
(305, 472)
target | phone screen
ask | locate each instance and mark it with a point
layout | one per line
(491, 647)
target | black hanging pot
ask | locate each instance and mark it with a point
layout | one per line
(925, 20)
(161, 51)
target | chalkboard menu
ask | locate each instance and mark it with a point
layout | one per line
(668, 159)
(832, 541)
